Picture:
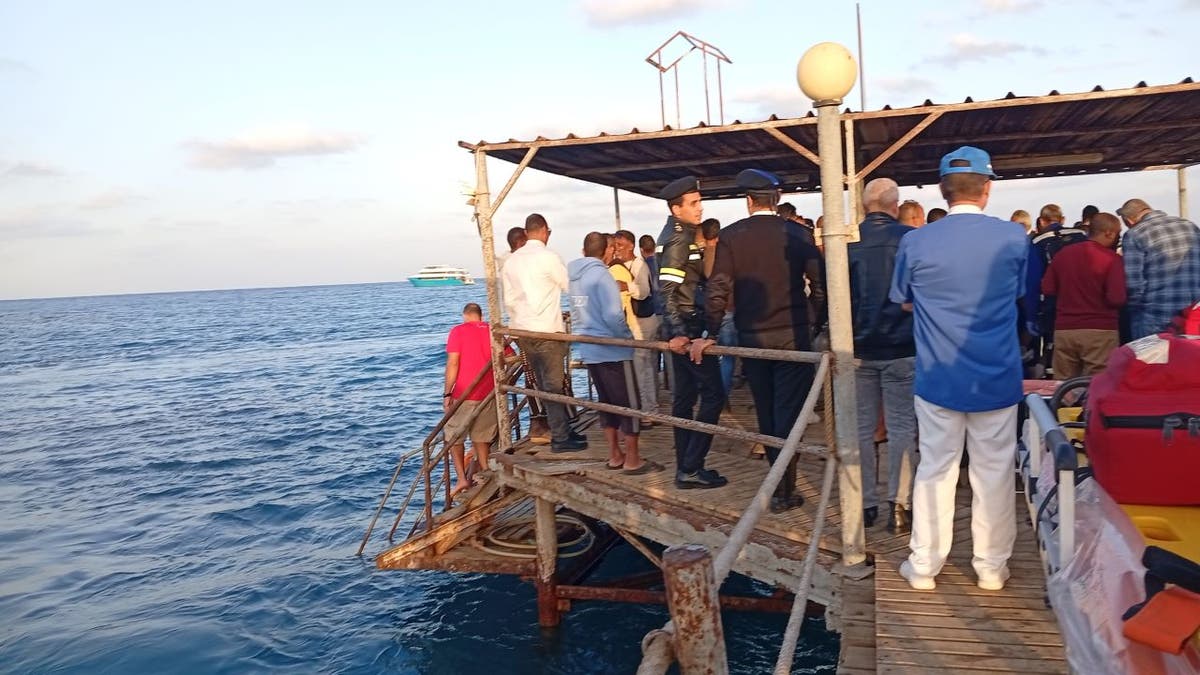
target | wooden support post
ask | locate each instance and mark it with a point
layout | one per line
(853, 184)
(483, 218)
(695, 610)
(1181, 176)
(547, 563)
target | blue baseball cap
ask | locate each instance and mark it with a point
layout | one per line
(976, 161)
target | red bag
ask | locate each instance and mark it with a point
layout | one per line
(1143, 422)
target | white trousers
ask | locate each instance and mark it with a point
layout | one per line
(991, 440)
(645, 364)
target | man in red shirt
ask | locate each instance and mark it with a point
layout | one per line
(469, 350)
(1089, 282)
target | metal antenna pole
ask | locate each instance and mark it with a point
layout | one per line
(707, 109)
(678, 112)
(720, 92)
(862, 78)
(662, 99)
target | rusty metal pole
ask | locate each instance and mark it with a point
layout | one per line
(483, 218)
(547, 563)
(695, 610)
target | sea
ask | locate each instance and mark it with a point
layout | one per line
(185, 479)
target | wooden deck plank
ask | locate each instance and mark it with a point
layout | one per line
(958, 626)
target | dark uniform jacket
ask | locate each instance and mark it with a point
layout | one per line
(883, 330)
(762, 263)
(680, 274)
(1043, 248)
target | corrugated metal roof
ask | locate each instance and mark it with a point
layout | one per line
(1054, 135)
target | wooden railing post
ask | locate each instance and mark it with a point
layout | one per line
(547, 563)
(695, 610)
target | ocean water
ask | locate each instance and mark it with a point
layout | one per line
(184, 479)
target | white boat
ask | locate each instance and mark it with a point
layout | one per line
(441, 275)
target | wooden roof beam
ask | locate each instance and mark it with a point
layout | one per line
(651, 166)
(794, 145)
(1060, 133)
(900, 143)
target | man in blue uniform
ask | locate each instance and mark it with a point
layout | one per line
(680, 272)
(761, 267)
(962, 276)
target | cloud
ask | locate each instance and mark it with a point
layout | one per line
(33, 226)
(110, 199)
(780, 100)
(630, 12)
(965, 48)
(1011, 6)
(261, 149)
(8, 65)
(905, 87)
(32, 170)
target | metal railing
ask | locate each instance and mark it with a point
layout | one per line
(432, 455)
(1044, 435)
(691, 636)
(690, 642)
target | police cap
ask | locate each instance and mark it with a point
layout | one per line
(679, 187)
(757, 180)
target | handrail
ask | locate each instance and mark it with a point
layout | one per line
(653, 644)
(657, 345)
(437, 429)
(1066, 462)
(682, 422)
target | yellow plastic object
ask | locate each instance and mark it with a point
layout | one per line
(1074, 435)
(1174, 528)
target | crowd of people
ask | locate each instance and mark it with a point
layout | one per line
(951, 310)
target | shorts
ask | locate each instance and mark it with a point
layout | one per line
(616, 385)
(483, 430)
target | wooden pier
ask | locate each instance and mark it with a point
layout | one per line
(885, 625)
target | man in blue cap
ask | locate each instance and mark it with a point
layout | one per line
(963, 276)
(680, 272)
(761, 266)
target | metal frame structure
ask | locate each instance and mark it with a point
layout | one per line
(706, 50)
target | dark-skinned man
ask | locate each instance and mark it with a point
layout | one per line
(680, 272)
(763, 262)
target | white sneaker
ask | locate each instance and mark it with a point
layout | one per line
(994, 582)
(915, 580)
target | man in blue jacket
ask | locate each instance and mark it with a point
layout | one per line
(963, 276)
(886, 354)
(596, 310)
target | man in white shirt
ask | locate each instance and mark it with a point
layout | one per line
(534, 279)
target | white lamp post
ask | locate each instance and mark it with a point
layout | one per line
(826, 73)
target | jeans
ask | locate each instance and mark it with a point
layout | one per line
(889, 383)
(779, 389)
(691, 381)
(727, 338)
(545, 358)
(645, 366)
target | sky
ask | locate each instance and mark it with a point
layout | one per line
(161, 146)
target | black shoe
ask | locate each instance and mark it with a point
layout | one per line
(899, 521)
(700, 479)
(870, 514)
(576, 436)
(569, 445)
(779, 503)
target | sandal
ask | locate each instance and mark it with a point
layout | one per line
(646, 467)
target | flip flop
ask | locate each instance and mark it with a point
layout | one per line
(646, 467)
(610, 467)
